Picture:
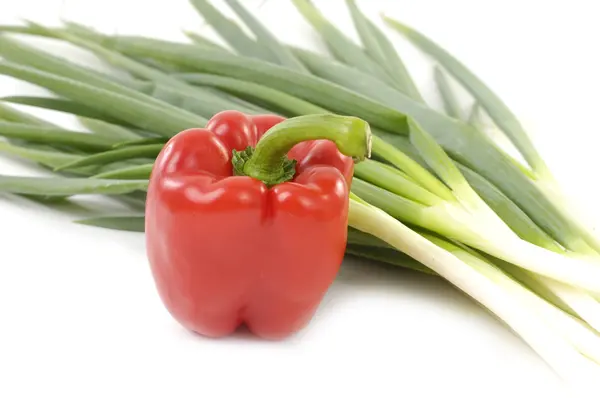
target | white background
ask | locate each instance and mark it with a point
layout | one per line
(79, 315)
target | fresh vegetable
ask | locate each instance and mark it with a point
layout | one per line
(438, 195)
(246, 219)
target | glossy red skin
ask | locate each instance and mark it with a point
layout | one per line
(225, 250)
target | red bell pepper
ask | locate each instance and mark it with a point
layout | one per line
(246, 219)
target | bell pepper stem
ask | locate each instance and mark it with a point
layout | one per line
(268, 161)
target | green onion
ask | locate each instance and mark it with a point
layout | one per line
(460, 140)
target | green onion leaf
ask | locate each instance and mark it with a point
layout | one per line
(109, 130)
(28, 30)
(153, 116)
(338, 44)
(26, 55)
(310, 88)
(380, 48)
(394, 181)
(59, 104)
(508, 211)
(493, 105)
(163, 82)
(200, 101)
(412, 168)
(141, 141)
(165, 87)
(21, 53)
(439, 161)
(257, 93)
(56, 186)
(397, 206)
(138, 172)
(347, 76)
(451, 104)
(279, 52)
(203, 41)
(474, 118)
(47, 158)
(11, 114)
(387, 256)
(130, 152)
(55, 135)
(121, 223)
(360, 238)
(230, 31)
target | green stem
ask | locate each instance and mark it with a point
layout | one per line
(268, 162)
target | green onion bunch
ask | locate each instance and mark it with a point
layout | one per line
(438, 194)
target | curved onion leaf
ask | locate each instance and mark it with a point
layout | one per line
(57, 186)
(116, 155)
(11, 114)
(387, 256)
(474, 118)
(360, 238)
(508, 211)
(23, 54)
(203, 41)
(338, 44)
(439, 161)
(166, 88)
(121, 223)
(451, 104)
(47, 158)
(202, 102)
(392, 180)
(230, 31)
(28, 30)
(351, 78)
(380, 48)
(310, 88)
(280, 53)
(129, 173)
(34, 58)
(59, 104)
(493, 105)
(255, 92)
(141, 141)
(110, 130)
(144, 114)
(55, 135)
